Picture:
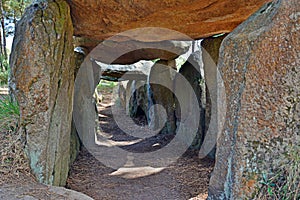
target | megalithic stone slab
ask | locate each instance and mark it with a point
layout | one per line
(260, 66)
(42, 68)
(163, 75)
(190, 70)
(210, 55)
(197, 19)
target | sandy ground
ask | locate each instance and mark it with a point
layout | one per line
(187, 178)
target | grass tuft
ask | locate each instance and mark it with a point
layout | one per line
(9, 114)
(284, 183)
(12, 156)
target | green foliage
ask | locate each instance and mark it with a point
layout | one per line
(4, 70)
(218, 35)
(4, 63)
(15, 8)
(11, 10)
(106, 84)
(4, 77)
(284, 183)
(9, 114)
(155, 60)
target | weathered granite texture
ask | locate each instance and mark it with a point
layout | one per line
(260, 66)
(42, 69)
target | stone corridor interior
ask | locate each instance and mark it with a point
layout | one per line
(245, 104)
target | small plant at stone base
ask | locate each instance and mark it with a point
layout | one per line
(284, 183)
(9, 114)
(12, 156)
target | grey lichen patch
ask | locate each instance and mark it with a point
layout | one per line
(35, 165)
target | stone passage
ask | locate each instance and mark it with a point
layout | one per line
(258, 62)
(186, 178)
(140, 97)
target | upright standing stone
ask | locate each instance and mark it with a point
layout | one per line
(128, 95)
(42, 81)
(138, 103)
(162, 94)
(75, 143)
(260, 66)
(210, 56)
(191, 72)
(122, 93)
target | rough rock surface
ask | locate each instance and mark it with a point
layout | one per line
(129, 52)
(122, 94)
(85, 114)
(42, 81)
(210, 55)
(32, 190)
(136, 71)
(161, 85)
(260, 65)
(138, 103)
(197, 19)
(191, 72)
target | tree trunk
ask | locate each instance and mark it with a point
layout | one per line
(1, 36)
(4, 38)
(22, 7)
(1, 53)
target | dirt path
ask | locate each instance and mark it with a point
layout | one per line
(187, 178)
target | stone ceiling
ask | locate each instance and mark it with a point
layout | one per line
(100, 19)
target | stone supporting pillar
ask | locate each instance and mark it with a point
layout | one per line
(210, 55)
(128, 95)
(42, 81)
(191, 72)
(138, 99)
(122, 93)
(259, 63)
(161, 74)
(75, 143)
